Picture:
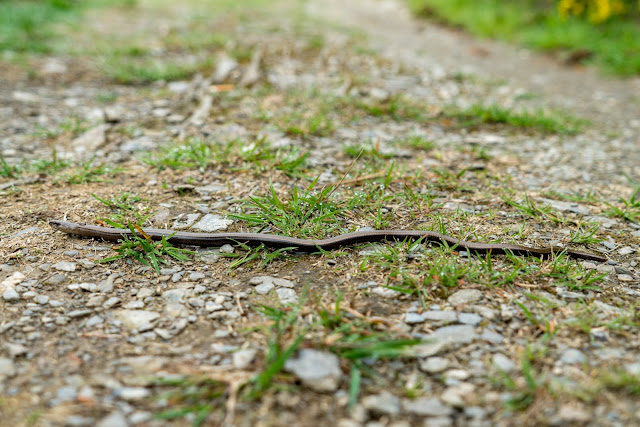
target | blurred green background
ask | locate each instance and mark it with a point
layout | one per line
(604, 32)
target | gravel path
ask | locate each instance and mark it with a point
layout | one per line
(500, 341)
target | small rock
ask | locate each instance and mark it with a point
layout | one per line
(264, 288)
(627, 250)
(434, 365)
(287, 295)
(455, 395)
(464, 296)
(10, 295)
(90, 141)
(457, 374)
(25, 97)
(66, 394)
(600, 334)
(384, 403)
(458, 334)
(41, 299)
(573, 356)
(65, 266)
(174, 295)
(469, 319)
(492, 337)
(139, 417)
(243, 358)
(133, 393)
(53, 66)
(276, 281)
(114, 419)
(7, 367)
(503, 363)
(318, 370)
(15, 349)
(430, 348)
(446, 316)
(134, 319)
(571, 414)
(111, 302)
(94, 321)
(211, 222)
(195, 276)
(213, 306)
(426, 406)
(79, 313)
(385, 292)
(89, 287)
(175, 309)
(413, 318)
(10, 282)
(226, 249)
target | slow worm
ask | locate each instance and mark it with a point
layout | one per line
(275, 241)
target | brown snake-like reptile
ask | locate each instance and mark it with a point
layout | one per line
(274, 241)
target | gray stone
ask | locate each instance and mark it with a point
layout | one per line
(111, 302)
(384, 403)
(65, 266)
(41, 299)
(174, 295)
(7, 367)
(503, 363)
(383, 292)
(426, 406)
(572, 414)
(79, 313)
(139, 417)
(134, 319)
(572, 356)
(226, 249)
(469, 319)
(413, 318)
(185, 220)
(211, 222)
(440, 315)
(114, 419)
(275, 281)
(632, 368)
(430, 348)
(492, 337)
(458, 334)
(15, 349)
(89, 287)
(627, 250)
(10, 295)
(66, 394)
(94, 321)
(243, 358)
(439, 422)
(464, 296)
(319, 370)
(91, 140)
(264, 288)
(455, 395)
(287, 295)
(196, 276)
(133, 394)
(434, 365)
(213, 306)
(175, 309)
